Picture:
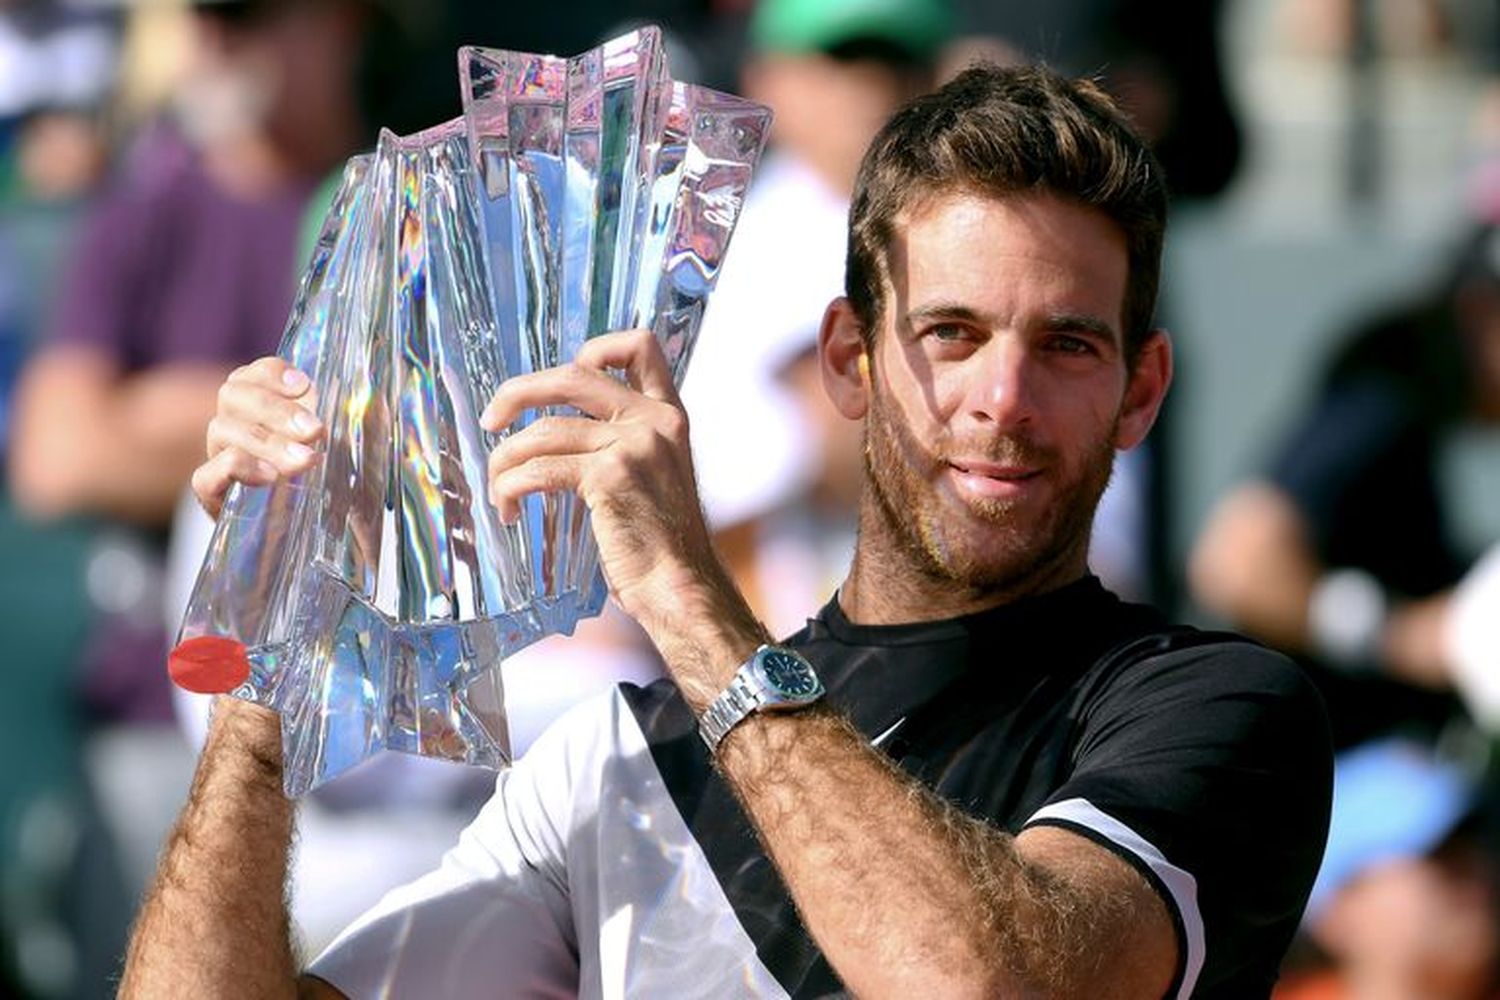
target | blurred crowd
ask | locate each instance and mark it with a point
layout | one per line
(163, 162)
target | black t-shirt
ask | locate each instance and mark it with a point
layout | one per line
(1202, 759)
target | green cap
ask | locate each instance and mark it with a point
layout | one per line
(920, 27)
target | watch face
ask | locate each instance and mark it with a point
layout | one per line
(789, 674)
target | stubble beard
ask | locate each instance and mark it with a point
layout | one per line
(1019, 552)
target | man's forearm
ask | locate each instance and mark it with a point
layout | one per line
(215, 921)
(904, 894)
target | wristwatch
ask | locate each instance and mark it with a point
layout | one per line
(773, 679)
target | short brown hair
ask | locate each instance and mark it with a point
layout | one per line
(1000, 131)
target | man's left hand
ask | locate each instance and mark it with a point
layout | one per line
(628, 458)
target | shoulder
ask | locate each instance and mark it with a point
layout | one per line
(1182, 662)
(1358, 420)
(156, 164)
(1224, 718)
(1212, 701)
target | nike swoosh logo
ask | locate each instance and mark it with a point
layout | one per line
(888, 733)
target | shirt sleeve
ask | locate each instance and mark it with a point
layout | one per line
(1210, 770)
(494, 919)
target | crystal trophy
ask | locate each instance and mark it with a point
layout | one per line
(371, 599)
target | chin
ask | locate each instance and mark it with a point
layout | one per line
(1003, 552)
(980, 564)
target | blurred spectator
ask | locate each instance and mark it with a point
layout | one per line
(42, 606)
(1343, 554)
(802, 546)
(1162, 62)
(1471, 639)
(52, 54)
(54, 161)
(1330, 27)
(1339, 552)
(184, 268)
(1404, 905)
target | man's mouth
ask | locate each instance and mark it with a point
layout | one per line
(992, 480)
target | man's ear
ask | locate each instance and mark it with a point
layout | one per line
(1145, 388)
(842, 359)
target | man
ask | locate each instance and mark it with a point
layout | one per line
(1014, 784)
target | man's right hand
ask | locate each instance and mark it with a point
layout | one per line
(264, 429)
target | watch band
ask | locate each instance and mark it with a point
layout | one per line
(737, 701)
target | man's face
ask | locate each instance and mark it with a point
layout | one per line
(997, 388)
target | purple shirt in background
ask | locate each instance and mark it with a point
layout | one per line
(169, 267)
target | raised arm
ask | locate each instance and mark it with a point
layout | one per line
(904, 894)
(215, 919)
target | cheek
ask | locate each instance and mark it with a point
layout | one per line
(1096, 402)
(946, 397)
(920, 425)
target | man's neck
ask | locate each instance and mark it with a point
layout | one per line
(886, 584)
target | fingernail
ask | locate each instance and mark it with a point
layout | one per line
(305, 423)
(502, 509)
(293, 379)
(266, 469)
(299, 452)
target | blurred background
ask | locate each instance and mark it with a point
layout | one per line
(1326, 477)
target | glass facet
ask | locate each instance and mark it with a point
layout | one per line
(376, 595)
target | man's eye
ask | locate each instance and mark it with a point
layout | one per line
(1068, 344)
(947, 331)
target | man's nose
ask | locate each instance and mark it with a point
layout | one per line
(1002, 391)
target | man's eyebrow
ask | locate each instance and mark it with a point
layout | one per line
(1067, 322)
(945, 310)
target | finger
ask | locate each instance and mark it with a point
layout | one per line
(212, 479)
(274, 374)
(542, 474)
(263, 411)
(551, 436)
(639, 355)
(588, 390)
(288, 456)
